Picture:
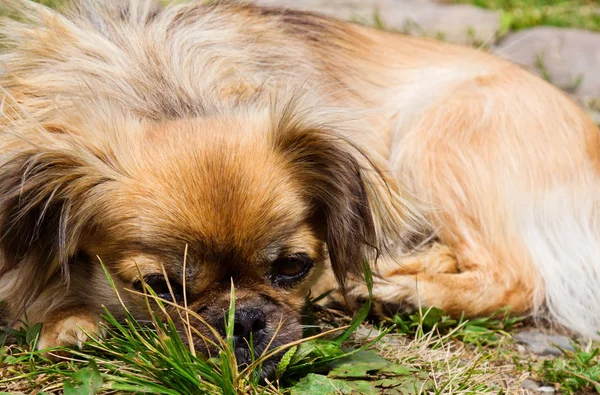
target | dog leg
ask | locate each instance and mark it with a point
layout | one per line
(72, 327)
(434, 278)
(387, 295)
(470, 293)
(438, 258)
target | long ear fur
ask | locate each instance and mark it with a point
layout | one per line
(362, 210)
(43, 206)
(335, 185)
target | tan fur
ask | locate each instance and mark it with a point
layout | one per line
(247, 134)
(73, 327)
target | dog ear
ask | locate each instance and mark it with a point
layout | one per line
(335, 187)
(349, 194)
(42, 193)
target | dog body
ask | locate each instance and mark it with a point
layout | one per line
(278, 149)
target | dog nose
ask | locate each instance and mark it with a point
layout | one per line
(250, 323)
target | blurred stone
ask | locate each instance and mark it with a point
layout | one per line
(461, 23)
(543, 344)
(364, 333)
(529, 384)
(357, 10)
(546, 390)
(568, 58)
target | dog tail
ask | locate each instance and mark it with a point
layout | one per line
(562, 233)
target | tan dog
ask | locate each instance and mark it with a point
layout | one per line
(276, 145)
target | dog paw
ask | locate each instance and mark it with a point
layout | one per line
(72, 330)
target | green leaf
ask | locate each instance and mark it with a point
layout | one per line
(363, 312)
(403, 386)
(69, 389)
(359, 365)
(318, 348)
(432, 317)
(324, 385)
(318, 384)
(86, 381)
(33, 332)
(397, 370)
(367, 365)
(9, 360)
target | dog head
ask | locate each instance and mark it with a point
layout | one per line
(256, 198)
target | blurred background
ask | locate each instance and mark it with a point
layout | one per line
(557, 39)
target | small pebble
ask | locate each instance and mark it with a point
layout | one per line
(521, 349)
(529, 384)
(546, 390)
(543, 344)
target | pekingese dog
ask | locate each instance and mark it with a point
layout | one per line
(223, 141)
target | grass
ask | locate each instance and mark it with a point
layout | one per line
(481, 332)
(576, 371)
(138, 358)
(426, 352)
(153, 359)
(523, 14)
(436, 356)
(49, 3)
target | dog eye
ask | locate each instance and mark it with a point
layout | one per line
(286, 271)
(159, 285)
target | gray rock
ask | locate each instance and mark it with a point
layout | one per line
(568, 58)
(461, 23)
(543, 344)
(369, 334)
(343, 9)
(529, 384)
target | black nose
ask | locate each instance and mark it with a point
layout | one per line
(250, 323)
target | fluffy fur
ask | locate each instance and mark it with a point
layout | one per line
(249, 135)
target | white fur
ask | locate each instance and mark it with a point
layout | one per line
(562, 233)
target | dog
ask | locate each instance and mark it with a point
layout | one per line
(196, 145)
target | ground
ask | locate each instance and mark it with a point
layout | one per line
(426, 352)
